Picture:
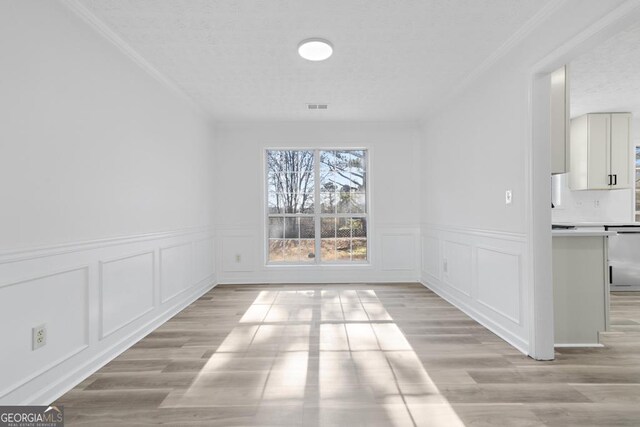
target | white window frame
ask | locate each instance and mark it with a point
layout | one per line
(317, 261)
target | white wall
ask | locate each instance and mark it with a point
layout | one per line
(91, 145)
(106, 186)
(394, 192)
(474, 149)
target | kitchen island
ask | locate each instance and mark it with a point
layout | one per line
(580, 286)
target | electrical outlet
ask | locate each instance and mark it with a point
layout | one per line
(508, 197)
(596, 203)
(238, 258)
(39, 336)
(445, 266)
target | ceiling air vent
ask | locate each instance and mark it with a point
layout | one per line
(317, 106)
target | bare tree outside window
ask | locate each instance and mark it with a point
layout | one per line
(335, 204)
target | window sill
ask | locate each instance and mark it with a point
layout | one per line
(320, 266)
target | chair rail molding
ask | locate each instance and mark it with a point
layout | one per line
(482, 272)
(96, 298)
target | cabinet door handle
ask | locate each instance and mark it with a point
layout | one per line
(609, 179)
(615, 179)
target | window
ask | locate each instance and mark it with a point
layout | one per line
(637, 169)
(316, 206)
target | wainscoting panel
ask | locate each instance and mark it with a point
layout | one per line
(60, 302)
(96, 299)
(498, 271)
(456, 266)
(431, 255)
(126, 288)
(175, 269)
(482, 273)
(204, 259)
(394, 256)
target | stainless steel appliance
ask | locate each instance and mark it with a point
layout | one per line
(624, 258)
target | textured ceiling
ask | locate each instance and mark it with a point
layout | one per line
(393, 59)
(607, 78)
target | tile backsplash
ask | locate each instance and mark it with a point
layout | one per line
(591, 205)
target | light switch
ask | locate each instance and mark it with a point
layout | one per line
(508, 197)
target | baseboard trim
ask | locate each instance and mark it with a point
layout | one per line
(578, 345)
(314, 281)
(70, 380)
(510, 338)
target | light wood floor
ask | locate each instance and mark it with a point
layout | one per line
(355, 355)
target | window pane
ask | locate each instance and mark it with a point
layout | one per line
(328, 249)
(293, 210)
(343, 173)
(290, 181)
(276, 203)
(291, 228)
(359, 249)
(291, 203)
(307, 250)
(359, 227)
(291, 250)
(276, 228)
(344, 227)
(351, 202)
(343, 239)
(275, 182)
(358, 203)
(276, 250)
(328, 227)
(307, 228)
(343, 249)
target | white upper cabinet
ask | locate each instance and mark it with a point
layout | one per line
(600, 151)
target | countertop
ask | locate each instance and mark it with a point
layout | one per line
(599, 224)
(585, 229)
(582, 233)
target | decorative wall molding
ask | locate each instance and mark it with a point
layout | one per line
(105, 262)
(178, 277)
(65, 248)
(517, 317)
(609, 24)
(503, 235)
(105, 31)
(487, 281)
(70, 378)
(6, 389)
(516, 38)
(457, 256)
(209, 244)
(248, 242)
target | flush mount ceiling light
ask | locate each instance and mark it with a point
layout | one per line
(315, 49)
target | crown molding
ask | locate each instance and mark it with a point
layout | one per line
(517, 37)
(105, 31)
(605, 27)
